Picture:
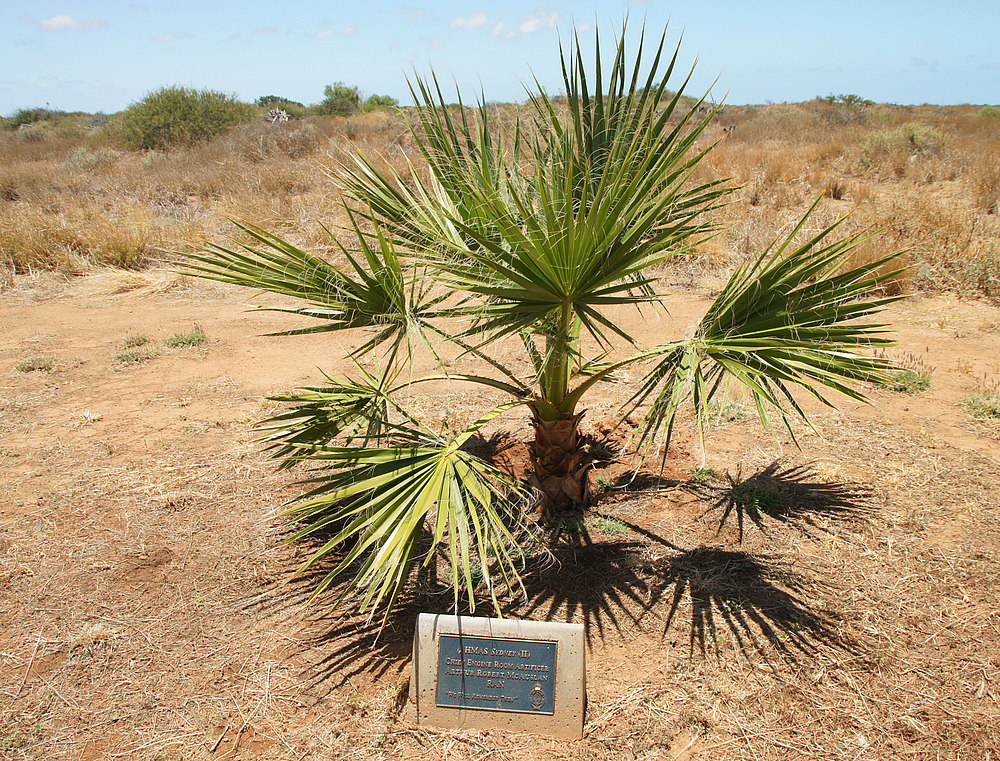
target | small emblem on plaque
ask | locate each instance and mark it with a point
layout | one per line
(537, 698)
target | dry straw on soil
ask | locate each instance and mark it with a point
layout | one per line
(147, 609)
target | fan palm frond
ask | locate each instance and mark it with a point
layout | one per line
(378, 500)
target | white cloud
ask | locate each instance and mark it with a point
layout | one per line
(476, 20)
(64, 22)
(170, 36)
(415, 14)
(267, 30)
(347, 31)
(584, 28)
(497, 28)
(431, 43)
(535, 22)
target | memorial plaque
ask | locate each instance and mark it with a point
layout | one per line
(496, 674)
(482, 673)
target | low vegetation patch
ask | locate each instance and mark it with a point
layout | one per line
(609, 525)
(984, 403)
(186, 338)
(42, 363)
(912, 377)
(132, 357)
(135, 341)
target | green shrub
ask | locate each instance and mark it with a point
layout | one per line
(29, 116)
(275, 101)
(180, 116)
(608, 525)
(129, 358)
(909, 139)
(135, 341)
(290, 107)
(339, 100)
(375, 102)
(912, 375)
(989, 112)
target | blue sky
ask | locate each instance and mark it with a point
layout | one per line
(101, 56)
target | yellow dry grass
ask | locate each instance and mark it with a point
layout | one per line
(927, 176)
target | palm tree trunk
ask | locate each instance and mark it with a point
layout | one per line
(560, 466)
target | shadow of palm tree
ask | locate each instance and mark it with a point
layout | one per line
(792, 495)
(596, 584)
(610, 586)
(758, 600)
(337, 642)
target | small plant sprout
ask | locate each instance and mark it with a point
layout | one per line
(703, 473)
(129, 358)
(608, 525)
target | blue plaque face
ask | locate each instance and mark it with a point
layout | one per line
(496, 674)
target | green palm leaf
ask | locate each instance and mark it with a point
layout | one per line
(378, 501)
(787, 320)
(379, 293)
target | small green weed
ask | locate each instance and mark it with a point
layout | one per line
(186, 338)
(722, 412)
(131, 358)
(601, 484)
(758, 496)
(702, 473)
(912, 377)
(911, 381)
(607, 525)
(135, 341)
(984, 403)
(42, 363)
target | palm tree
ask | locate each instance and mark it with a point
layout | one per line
(532, 227)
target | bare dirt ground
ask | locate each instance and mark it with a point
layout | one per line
(147, 612)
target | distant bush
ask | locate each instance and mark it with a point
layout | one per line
(846, 99)
(29, 116)
(375, 102)
(275, 101)
(989, 112)
(339, 100)
(180, 116)
(290, 107)
(910, 139)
